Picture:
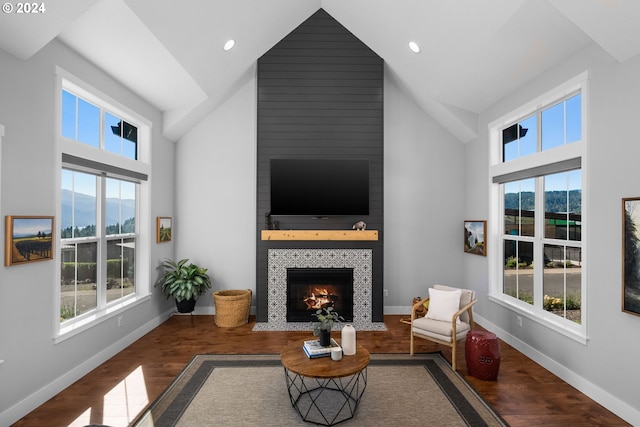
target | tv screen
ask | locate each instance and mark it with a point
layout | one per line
(319, 187)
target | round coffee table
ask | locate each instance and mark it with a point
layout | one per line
(322, 390)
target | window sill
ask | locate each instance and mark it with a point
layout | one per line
(576, 333)
(98, 317)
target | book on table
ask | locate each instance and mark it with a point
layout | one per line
(313, 349)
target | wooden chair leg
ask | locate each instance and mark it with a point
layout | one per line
(453, 356)
(411, 345)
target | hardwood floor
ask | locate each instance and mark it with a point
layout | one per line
(114, 393)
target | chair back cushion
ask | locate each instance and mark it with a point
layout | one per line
(443, 304)
(466, 296)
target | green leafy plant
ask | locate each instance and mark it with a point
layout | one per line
(66, 312)
(513, 262)
(183, 281)
(326, 317)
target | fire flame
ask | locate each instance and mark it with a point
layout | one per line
(319, 298)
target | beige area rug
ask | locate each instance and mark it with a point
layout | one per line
(251, 390)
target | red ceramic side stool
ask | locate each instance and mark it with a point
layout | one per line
(482, 352)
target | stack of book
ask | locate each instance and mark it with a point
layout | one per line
(313, 348)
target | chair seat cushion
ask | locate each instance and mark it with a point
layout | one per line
(439, 329)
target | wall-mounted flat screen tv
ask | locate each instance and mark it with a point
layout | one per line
(320, 187)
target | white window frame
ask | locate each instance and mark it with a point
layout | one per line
(141, 166)
(497, 167)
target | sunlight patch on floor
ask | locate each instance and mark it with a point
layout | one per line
(82, 420)
(121, 404)
(126, 400)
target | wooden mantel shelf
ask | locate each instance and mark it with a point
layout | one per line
(319, 235)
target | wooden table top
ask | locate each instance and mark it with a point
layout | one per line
(295, 359)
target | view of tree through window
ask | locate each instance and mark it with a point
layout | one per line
(79, 244)
(80, 240)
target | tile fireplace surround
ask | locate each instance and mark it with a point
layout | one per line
(360, 260)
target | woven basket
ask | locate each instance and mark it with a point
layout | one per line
(232, 308)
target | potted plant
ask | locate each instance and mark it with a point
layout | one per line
(185, 282)
(322, 328)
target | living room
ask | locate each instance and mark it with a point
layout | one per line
(437, 173)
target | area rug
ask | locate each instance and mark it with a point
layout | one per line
(250, 390)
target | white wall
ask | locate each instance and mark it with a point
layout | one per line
(423, 202)
(216, 195)
(35, 368)
(606, 368)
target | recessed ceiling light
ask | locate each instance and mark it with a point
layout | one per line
(229, 44)
(414, 47)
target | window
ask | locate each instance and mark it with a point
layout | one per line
(538, 193)
(559, 124)
(561, 254)
(103, 184)
(87, 123)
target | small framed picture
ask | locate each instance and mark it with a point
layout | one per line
(28, 239)
(474, 237)
(631, 256)
(163, 229)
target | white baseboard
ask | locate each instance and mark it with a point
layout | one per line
(20, 409)
(604, 398)
(397, 309)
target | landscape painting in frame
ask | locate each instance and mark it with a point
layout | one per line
(163, 231)
(474, 237)
(631, 256)
(28, 239)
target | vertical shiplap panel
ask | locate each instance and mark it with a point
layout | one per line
(320, 95)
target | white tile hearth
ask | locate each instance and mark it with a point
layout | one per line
(360, 260)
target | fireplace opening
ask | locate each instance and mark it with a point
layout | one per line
(309, 289)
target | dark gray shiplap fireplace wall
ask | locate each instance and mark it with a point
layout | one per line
(320, 95)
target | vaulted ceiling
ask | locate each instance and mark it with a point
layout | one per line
(473, 52)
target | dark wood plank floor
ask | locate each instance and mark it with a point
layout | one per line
(525, 394)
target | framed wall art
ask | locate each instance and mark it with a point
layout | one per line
(474, 237)
(631, 255)
(28, 239)
(163, 229)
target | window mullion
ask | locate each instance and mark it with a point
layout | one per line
(102, 243)
(136, 235)
(538, 245)
(101, 130)
(77, 118)
(499, 287)
(539, 130)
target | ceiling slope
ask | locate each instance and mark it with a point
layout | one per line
(473, 52)
(23, 35)
(613, 24)
(113, 37)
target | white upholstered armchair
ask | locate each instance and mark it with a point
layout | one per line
(449, 317)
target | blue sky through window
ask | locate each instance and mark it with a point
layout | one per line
(81, 121)
(560, 124)
(88, 124)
